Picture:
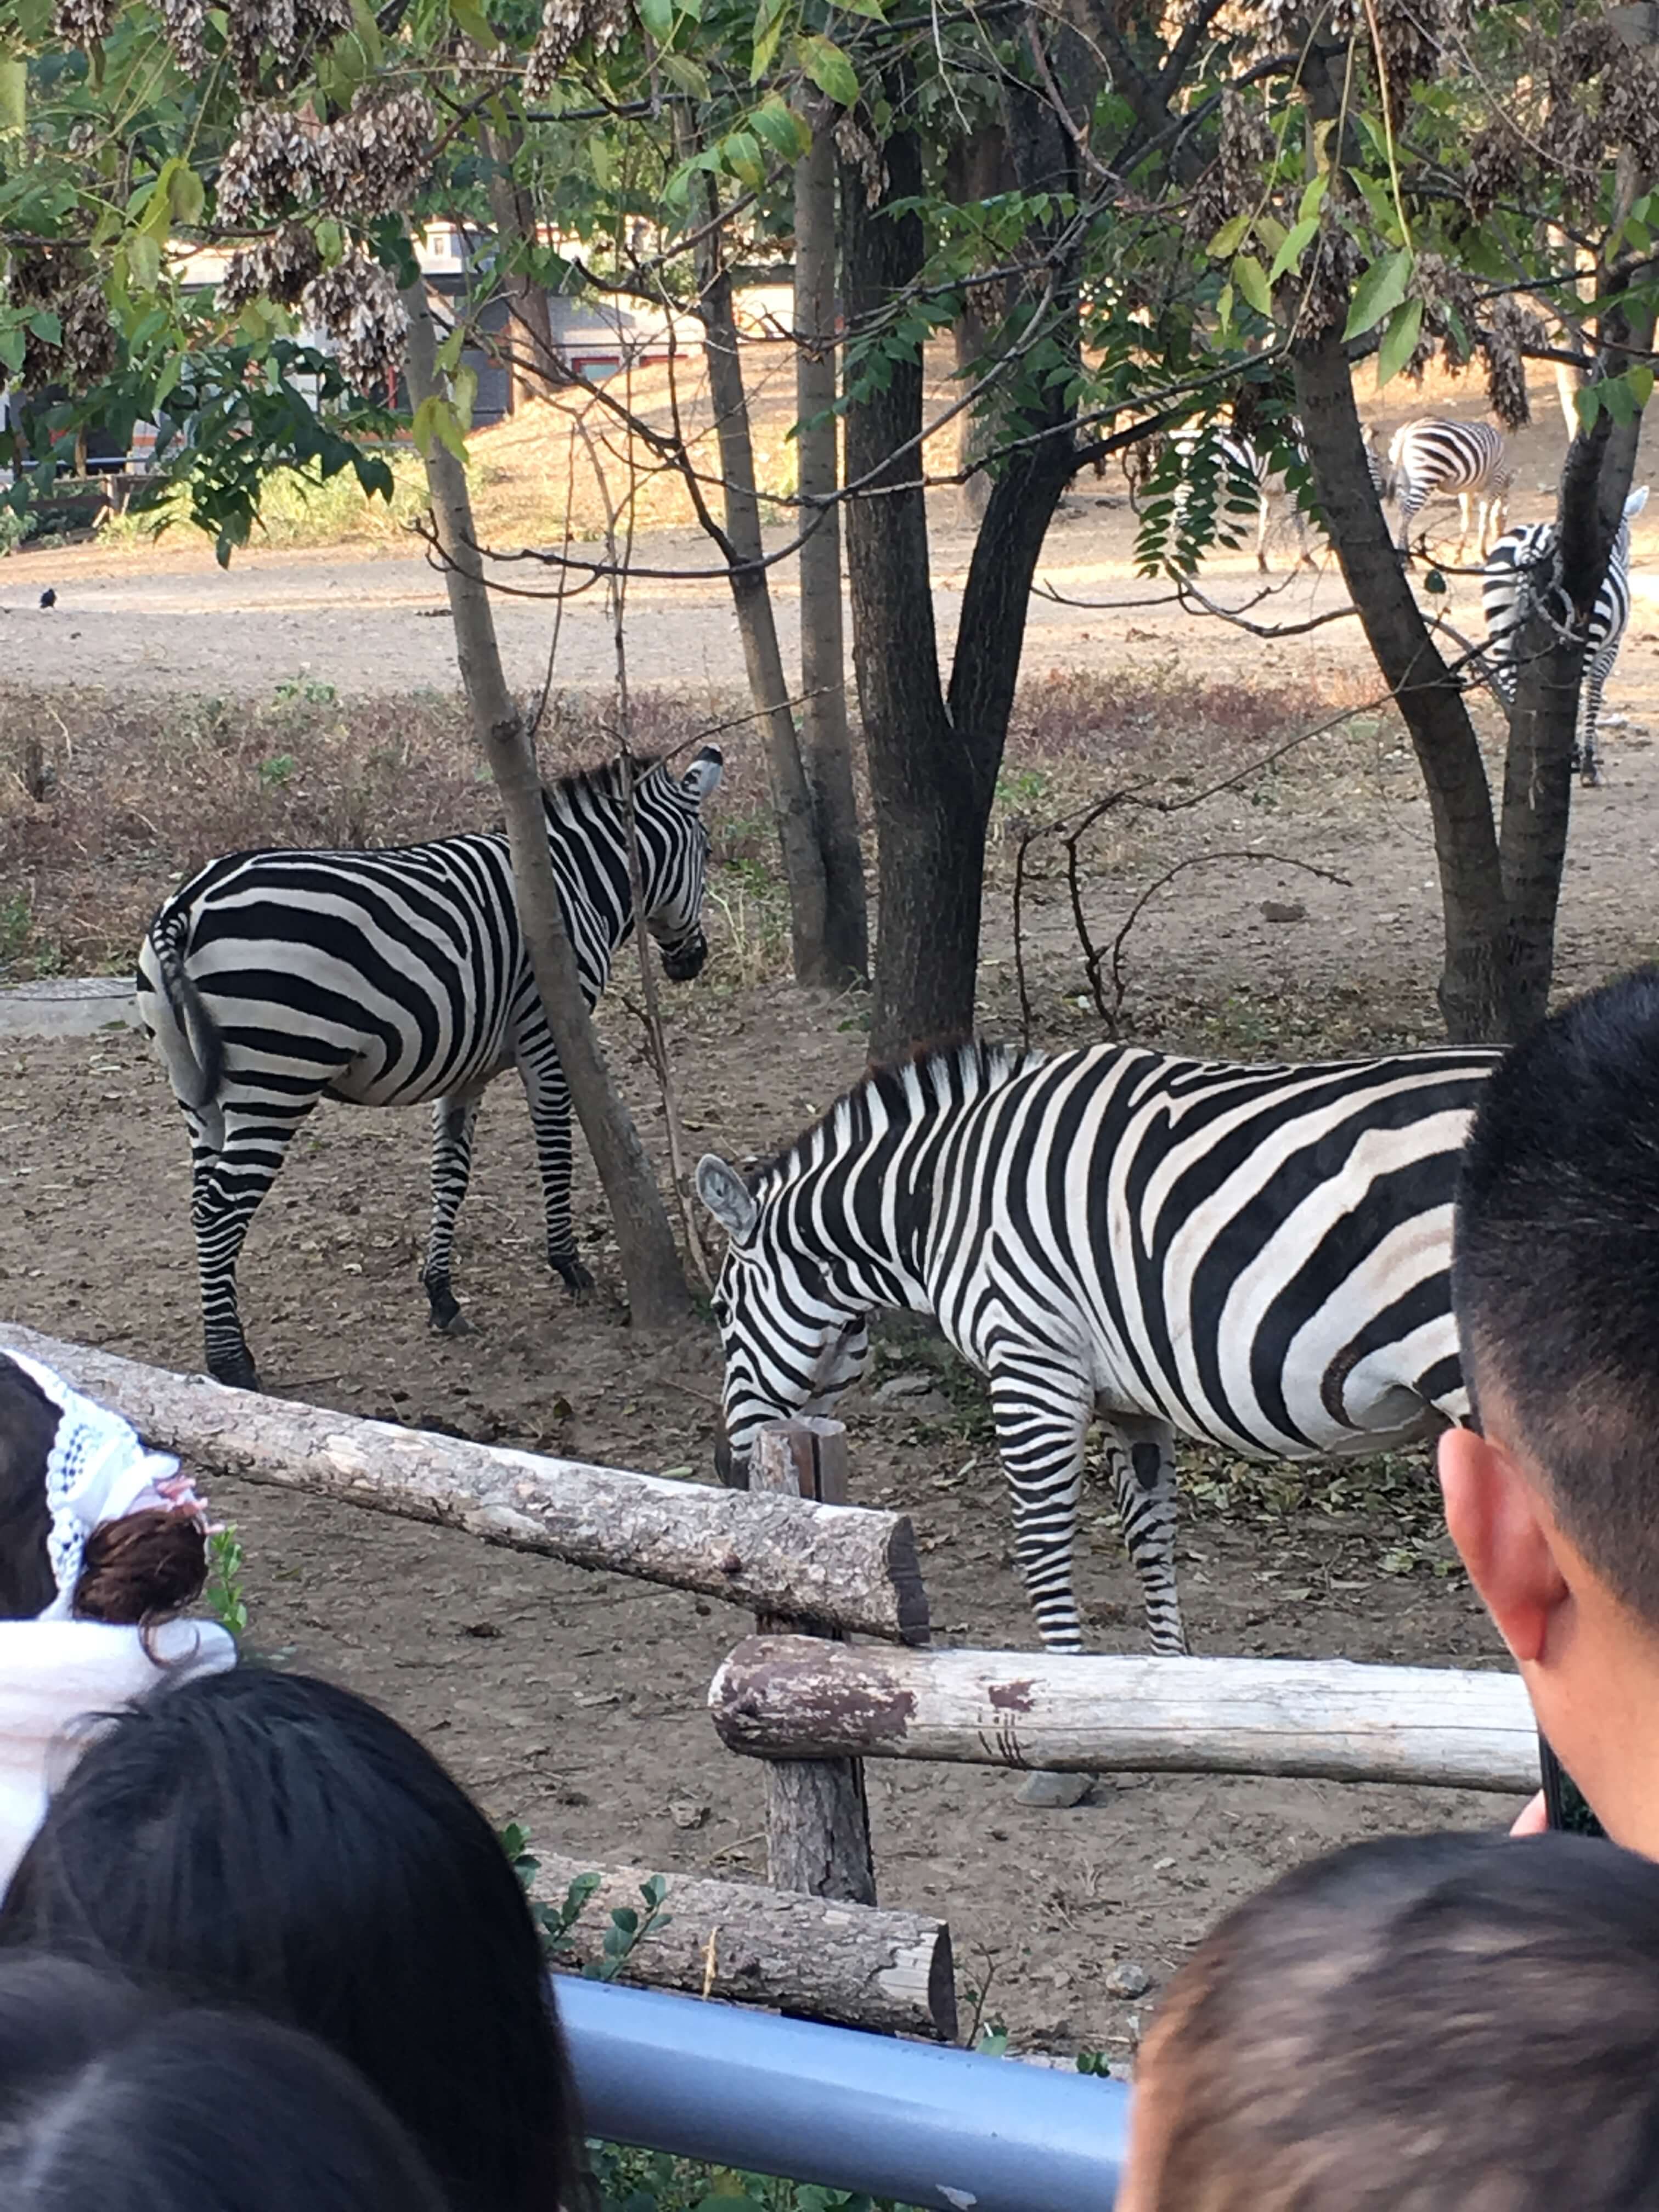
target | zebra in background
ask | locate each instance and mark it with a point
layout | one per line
(1432, 460)
(1244, 475)
(1256, 1257)
(1525, 566)
(392, 978)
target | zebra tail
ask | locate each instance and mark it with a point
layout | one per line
(187, 1035)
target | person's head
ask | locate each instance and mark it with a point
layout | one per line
(108, 2105)
(266, 1840)
(92, 1526)
(1420, 2023)
(1553, 1499)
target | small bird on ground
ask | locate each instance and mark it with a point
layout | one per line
(48, 597)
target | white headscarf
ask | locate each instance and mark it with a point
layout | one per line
(98, 1470)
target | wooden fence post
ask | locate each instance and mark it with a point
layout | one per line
(817, 1818)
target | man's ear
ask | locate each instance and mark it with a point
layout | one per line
(1501, 1524)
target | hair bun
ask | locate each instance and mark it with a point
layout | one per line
(142, 1568)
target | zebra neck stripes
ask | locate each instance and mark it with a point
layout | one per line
(1257, 1257)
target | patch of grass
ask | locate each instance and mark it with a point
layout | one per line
(298, 508)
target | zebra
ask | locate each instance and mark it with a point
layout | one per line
(1524, 564)
(395, 977)
(1432, 460)
(1258, 1257)
(1244, 474)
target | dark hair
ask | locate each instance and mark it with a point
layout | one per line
(107, 2106)
(273, 1841)
(137, 1571)
(1555, 1270)
(1422, 2024)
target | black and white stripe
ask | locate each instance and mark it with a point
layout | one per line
(1522, 571)
(391, 978)
(1257, 1257)
(1432, 460)
(1241, 474)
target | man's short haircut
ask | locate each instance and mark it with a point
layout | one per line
(1421, 2023)
(1555, 1271)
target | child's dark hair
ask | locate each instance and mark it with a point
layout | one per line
(107, 2105)
(137, 1571)
(1421, 2023)
(273, 1841)
(1555, 1270)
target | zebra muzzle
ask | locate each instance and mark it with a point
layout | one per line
(683, 962)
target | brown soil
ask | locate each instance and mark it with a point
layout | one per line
(574, 1702)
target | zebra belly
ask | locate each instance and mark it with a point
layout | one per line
(366, 1083)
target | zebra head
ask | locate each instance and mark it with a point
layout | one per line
(793, 1340)
(674, 860)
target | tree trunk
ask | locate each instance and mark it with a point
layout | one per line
(791, 795)
(533, 364)
(976, 168)
(930, 817)
(650, 1259)
(844, 954)
(853, 1569)
(791, 1697)
(1475, 993)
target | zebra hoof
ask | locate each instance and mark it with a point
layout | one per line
(453, 1324)
(237, 1374)
(1049, 1793)
(572, 1274)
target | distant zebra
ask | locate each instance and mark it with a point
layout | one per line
(1432, 460)
(1258, 1257)
(391, 978)
(1243, 473)
(1525, 565)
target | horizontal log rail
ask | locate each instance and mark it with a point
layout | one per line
(854, 1965)
(838, 1566)
(792, 1696)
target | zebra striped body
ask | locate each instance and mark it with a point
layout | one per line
(1433, 460)
(395, 978)
(1243, 473)
(1523, 568)
(1256, 1257)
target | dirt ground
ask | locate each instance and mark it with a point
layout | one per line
(575, 1703)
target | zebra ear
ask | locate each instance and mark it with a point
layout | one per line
(1636, 502)
(701, 779)
(727, 1197)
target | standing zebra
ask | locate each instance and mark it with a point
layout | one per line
(1525, 566)
(1243, 474)
(1258, 1257)
(1432, 460)
(394, 978)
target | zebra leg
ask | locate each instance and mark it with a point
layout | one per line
(549, 1100)
(1585, 757)
(1144, 1475)
(1041, 1409)
(227, 1186)
(453, 1120)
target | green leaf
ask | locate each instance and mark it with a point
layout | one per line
(1251, 280)
(1270, 231)
(47, 327)
(1587, 403)
(1434, 582)
(14, 96)
(1291, 253)
(187, 193)
(1380, 291)
(464, 390)
(367, 32)
(740, 151)
(11, 349)
(1230, 236)
(467, 16)
(1224, 306)
(436, 424)
(448, 356)
(1619, 400)
(1640, 380)
(690, 75)
(828, 68)
(787, 134)
(768, 32)
(1314, 198)
(658, 17)
(1398, 341)
(143, 260)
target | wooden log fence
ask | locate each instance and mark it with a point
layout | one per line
(888, 1972)
(793, 1698)
(836, 1566)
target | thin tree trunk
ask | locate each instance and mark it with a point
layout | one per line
(845, 951)
(791, 795)
(650, 1260)
(976, 168)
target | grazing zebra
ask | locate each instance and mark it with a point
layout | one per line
(1432, 460)
(392, 978)
(1525, 565)
(1257, 1257)
(1243, 473)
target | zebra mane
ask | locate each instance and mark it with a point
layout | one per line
(603, 784)
(935, 1076)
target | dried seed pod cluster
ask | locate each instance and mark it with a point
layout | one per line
(357, 304)
(566, 24)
